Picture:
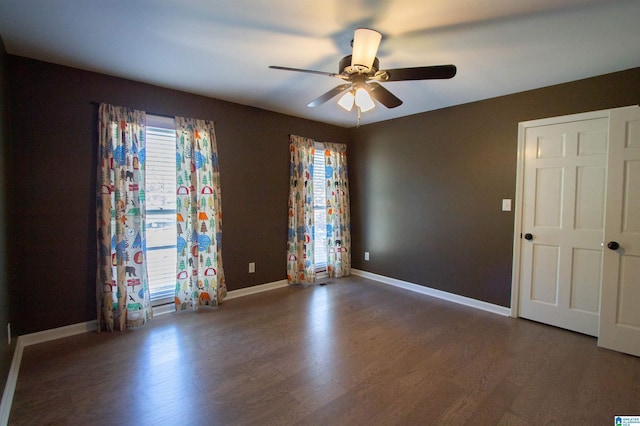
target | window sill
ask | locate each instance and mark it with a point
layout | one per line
(167, 308)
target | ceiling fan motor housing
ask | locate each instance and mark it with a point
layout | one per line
(344, 67)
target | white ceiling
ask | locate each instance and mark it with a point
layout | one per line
(222, 48)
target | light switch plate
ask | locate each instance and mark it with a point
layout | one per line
(506, 205)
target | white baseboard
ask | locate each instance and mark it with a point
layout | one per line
(58, 333)
(241, 292)
(10, 386)
(32, 339)
(455, 298)
(71, 330)
(233, 294)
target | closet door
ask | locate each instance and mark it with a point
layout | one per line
(620, 308)
(565, 161)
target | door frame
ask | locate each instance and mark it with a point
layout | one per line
(519, 200)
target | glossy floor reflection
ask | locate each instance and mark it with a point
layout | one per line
(351, 352)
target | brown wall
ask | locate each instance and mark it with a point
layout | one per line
(426, 189)
(5, 351)
(52, 213)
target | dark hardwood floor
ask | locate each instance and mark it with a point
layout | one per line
(351, 352)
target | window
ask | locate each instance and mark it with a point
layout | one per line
(161, 208)
(319, 208)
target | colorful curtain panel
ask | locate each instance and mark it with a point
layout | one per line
(300, 260)
(338, 214)
(200, 279)
(122, 285)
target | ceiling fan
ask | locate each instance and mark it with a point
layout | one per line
(361, 74)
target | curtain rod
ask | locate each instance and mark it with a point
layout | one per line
(146, 112)
(150, 112)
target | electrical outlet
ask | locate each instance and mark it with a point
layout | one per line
(366, 255)
(9, 333)
(252, 267)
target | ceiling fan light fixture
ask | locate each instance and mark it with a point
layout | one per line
(365, 47)
(347, 100)
(363, 100)
(358, 69)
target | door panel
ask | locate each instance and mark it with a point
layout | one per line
(563, 208)
(592, 143)
(631, 203)
(628, 312)
(544, 278)
(620, 310)
(585, 280)
(548, 201)
(590, 193)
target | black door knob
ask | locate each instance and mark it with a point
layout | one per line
(613, 245)
(528, 237)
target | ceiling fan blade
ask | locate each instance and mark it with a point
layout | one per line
(365, 48)
(383, 96)
(330, 94)
(418, 73)
(330, 74)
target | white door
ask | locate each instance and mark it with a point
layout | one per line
(620, 311)
(565, 165)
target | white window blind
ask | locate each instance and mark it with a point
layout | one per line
(160, 194)
(319, 208)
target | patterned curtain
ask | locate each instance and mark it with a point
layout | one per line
(200, 280)
(122, 285)
(300, 261)
(338, 214)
